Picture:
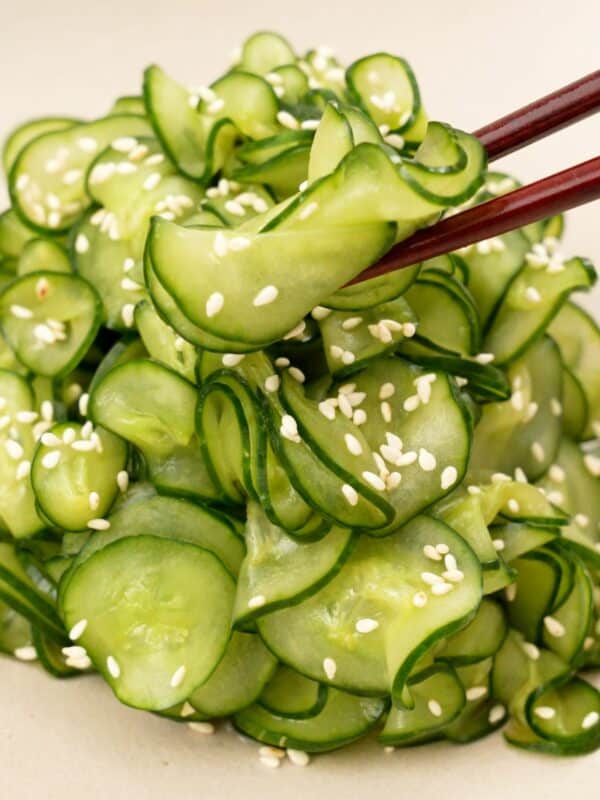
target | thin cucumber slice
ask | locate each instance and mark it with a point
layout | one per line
(25, 133)
(519, 538)
(50, 319)
(128, 104)
(481, 639)
(333, 139)
(370, 293)
(39, 255)
(14, 235)
(325, 637)
(152, 407)
(248, 101)
(156, 651)
(239, 678)
(279, 571)
(74, 485)
(343, 719)
(576, 410)
(263, 150)
(39, 192)
(50, 655)
(265, 51)
(438, 698)
(578, 337)
(282, 174)
(163, 343)
(290, 694)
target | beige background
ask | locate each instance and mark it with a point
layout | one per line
(475, 59)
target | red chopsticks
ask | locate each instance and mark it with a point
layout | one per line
(559, 192)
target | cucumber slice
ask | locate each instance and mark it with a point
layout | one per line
(290, 694)
(25, 133)
(344, 718)
(155, 652)
(73, 485)
(14, 235)
(50, 319)
(43, 255)
(163, 343)
(265, 51)
(239, 678)
(481, 638)
(323, 636)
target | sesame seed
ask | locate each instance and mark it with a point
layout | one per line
(531, 651)
(113, 667)
(556, 498)
(22, 182)
(94, 500)
(235, 208)
(178, 677)
(78, 630)
(359, 417)
(511, 592)
(419, 599)
(47, 410)
(430, 578)
(267, 750)
(127, 314)
(441, 588)
(216, 105)
(582, 520)
(98, 524)
(532, 294)
(123, 480)
(545, 712)
(126, 168)
(395, 140)
(386, 411)
(434, 708)
(366, 625)
(345, 406)
(554, 627)
(320, 312)
(353, 445)
(327, 409)
(287, 120)
(152, 181)
(407, 458)
(289, 428)
(500, 477)
(453, 575)
(350, 494)
(427, 460)
(297, 374)
(20, 312)
(129, 285)
(272, 384)
(206, 728)
(74, 651)
(51, 459)
(476, 692)
(232, 359)
(26, 417)
(431, 552)
(329, 668)
(23, 470)
(473, 490)
(86, 429)
(386, 390)
(308, 210)
(26, 653)
(484, 358)
(265, 296)
(239, 243)
(88, 144)
(388, 749)
(496, 714)
(592, 464)
(537, 451)
(298, 757)
(498, 545)
(187, 710)
(555, 407)
(448, 477)
(513, 505)
(257, 601)
(214, 304)
(270, 761)
(409, 329)
(374, 480)
(590, 720)
(411, 403)
(124, 144)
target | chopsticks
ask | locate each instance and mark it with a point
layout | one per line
(559, 192)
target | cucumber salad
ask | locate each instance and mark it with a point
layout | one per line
(236, 487)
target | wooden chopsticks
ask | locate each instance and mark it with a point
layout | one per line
(558, 192)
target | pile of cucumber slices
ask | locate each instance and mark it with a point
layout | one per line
(235, 488)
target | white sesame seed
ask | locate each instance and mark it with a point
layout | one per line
(69, 435)
(441, 588)
(289, 428)
(590, 720)
(297, 374)
(232, 359)
(348, 357)
(78, 630)
(86, 429)
(287, 120)
(51, 459)
(327, 409)
(123, 480)
(239, 243)
(582, 520)
(556, 498)
(434, 708)
(50, 440)
(353, 444)
(265, 296)
(320, 312)
(531, 651)
(498, 545)
(129, 285)
(537, 451)
(545, 712)
(235, 208)
(427, 460)
(350, 494)
(359, 417)
(473, 490)
(298, 757)
(411, 403)
(155, 159)
(257, 601)
(345, 406)
(25, 653)
(431, 552)
(113, 667)
(206, 728)
(374, 480)
(20, 312)
(351, 323)
(554, 627)
(448, 477)
(87, 143)
(386, 411)
(484, 358)
(308, 210)
(449, 561)
(476, 693)
(511, 592)
(270, 761)
(555, 407)
(296, 331)
(453, 575)
(272, 384)
(23, 470)
(430, 578)
(329, 668)
(74, 651)
(366, 625)
(214, 304)
(152, 181)
(216, 105)
(178, 677)
(386, 390)
(94, 500)
(592, 464)
(496, 714)
(127, 314)
(419, 599)
(47, 410)
(532, 294)
(513, 505)
(124, 144)
(98, 524)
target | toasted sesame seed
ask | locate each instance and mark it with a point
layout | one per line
(257, 601)
(497, 713)
(366, 625)
(78, 630)
(554, 627)
(476, 693)
(353, 445)
(214, 304)
(350, 494)
(232, 359)
(590, 720)
(113, 667)
(206, 728)
(265, 296)
(329, 668)
(178, 677)
(98, 524)
(434, 708)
